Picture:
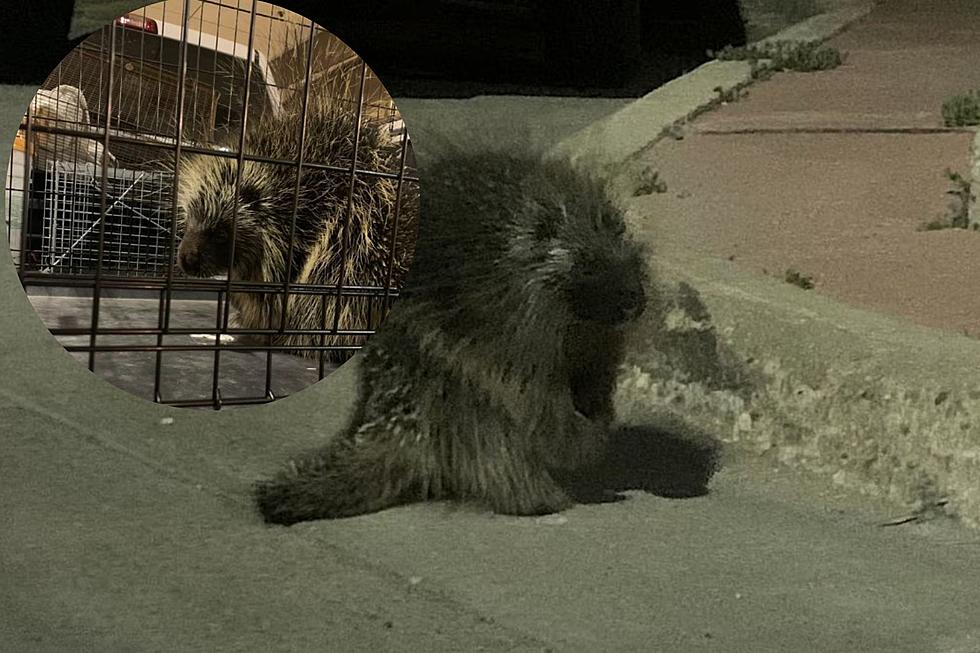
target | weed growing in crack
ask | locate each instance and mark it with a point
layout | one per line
(962, 110)
(958, 212)
(733, 94)
(649, 181)
(797, 278)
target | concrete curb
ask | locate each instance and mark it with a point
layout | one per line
(633, 129)
(621, 136)
(867, 400)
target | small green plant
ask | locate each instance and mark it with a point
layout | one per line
(733, 94)
(759, 70)
(958, 212)
(796, 278)
(797, 56)
(648, 181)
(959, 207)
(935, 225)
(962, 110)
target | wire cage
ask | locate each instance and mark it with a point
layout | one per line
(92, 211)
(137, 228)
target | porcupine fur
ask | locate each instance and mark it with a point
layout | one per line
(324, 243)
(492, 377)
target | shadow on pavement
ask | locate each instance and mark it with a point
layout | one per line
(670, 461)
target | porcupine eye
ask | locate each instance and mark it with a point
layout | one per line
(218, 244)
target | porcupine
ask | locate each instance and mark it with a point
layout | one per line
(491, 380)
(323, 243)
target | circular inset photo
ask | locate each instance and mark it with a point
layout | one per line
(212, 209)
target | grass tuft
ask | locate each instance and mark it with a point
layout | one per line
(797, 278)
(958, 212)
(962, 110)
(648, 181)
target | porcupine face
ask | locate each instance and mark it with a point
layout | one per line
(207, 205)
(530, 232)
(606, 282)
(606, 274)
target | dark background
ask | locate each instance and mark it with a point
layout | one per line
(458, 48)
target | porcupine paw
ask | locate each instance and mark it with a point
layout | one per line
(585, 486)
(600, 496)
(557, 502)
(543, 497)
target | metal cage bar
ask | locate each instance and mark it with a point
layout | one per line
(166, 297)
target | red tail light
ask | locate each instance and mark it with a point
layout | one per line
(132, 21)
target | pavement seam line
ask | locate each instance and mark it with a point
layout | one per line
(99, 441)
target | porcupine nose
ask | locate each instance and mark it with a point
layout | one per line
(636, 303)
(188, 260)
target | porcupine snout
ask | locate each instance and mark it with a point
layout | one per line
(189, 259)
(629, 296)
(203, 254)
(609, 287)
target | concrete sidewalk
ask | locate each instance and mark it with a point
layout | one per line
(828, 172)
